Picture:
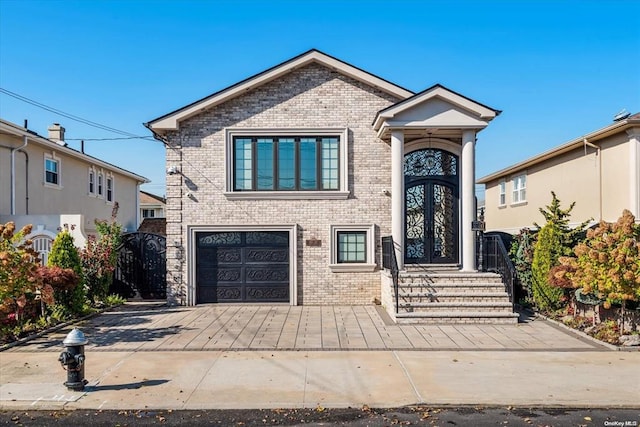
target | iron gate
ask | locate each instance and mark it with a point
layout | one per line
(141, 268)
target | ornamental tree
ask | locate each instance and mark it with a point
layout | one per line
(18, 266)
(607, 263)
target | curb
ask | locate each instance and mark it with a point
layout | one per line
(54, 328)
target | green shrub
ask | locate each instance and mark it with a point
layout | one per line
(64, 254)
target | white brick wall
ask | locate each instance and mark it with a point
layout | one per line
(310, 97)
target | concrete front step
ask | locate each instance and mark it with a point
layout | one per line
(465, 317)
(456, 306)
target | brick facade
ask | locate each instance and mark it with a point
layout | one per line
(310, 97)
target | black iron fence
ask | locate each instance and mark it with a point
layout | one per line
(493, 257)
(141, 267)
(390, 263)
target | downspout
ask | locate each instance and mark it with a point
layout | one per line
(26, 181)
(597, 148)
(13, 174)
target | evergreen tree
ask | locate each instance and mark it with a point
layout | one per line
(555, 239)
(64, 254)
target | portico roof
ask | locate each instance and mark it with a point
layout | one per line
(437, 109)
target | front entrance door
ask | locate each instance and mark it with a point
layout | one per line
(431, 207)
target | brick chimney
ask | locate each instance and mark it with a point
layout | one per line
(56, 134)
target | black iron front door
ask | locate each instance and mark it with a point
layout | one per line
(431, 207)
(431, 224)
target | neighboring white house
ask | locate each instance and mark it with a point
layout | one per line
(282, 183)
(151, 205)
(599, 171)
(46, 183)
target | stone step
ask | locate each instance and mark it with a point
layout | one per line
(454, 317)
(456, 306)
(438, 288)
(462, 294)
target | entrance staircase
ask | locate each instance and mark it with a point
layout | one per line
(443, 294)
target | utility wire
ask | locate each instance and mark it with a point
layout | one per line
(68, 115)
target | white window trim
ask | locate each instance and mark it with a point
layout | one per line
(57, 159)
(342, 192)
(523, 201)
(502, 191)
(191, 253)
(369, 265)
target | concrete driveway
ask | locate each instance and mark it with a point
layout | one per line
(155, 327)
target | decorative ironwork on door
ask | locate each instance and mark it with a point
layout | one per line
(431, 207)
(141, 267)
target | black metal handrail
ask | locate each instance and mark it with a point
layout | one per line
(496, 259)
(390, 262)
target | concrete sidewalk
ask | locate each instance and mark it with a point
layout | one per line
(217, 357)
(294, 379)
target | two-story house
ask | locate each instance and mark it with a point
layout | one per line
(599, 171)
(50, 185)
(280, 187)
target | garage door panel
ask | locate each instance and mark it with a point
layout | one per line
(268, 293)
(242, 267)
(271, 273)
(219, 293)
(211, 276)
(263, 255)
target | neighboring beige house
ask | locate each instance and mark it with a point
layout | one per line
(45, 183)
(151, 205)
(281, 186)
(600, 171)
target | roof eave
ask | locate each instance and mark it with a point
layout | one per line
(594, 136)
(21, 132)
(170, 121)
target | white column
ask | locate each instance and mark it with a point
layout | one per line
(397, 194)
(468, 200)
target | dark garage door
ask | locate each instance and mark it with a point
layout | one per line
(248, 266)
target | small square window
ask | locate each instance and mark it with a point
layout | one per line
(352, 248)
(148, 213)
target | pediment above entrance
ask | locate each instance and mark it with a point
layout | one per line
(436, 110)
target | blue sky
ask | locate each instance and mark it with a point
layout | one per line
(557, 69)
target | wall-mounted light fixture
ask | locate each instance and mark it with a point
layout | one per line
(172, 170)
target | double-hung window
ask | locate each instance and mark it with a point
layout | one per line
(52, 171)
(100, 188)
(286, 163)
(92, 182)
(503, 193)
(109, 189)
(519, 193)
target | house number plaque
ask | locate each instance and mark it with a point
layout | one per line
(314, 242)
